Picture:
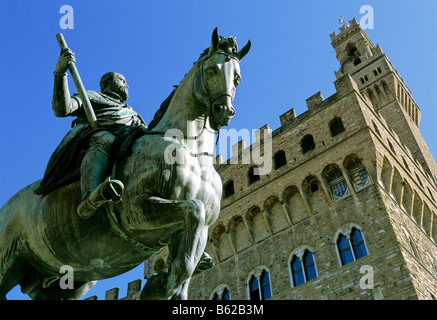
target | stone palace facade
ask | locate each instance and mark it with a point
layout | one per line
(348, 210)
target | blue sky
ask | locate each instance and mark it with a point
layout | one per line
(154, 43)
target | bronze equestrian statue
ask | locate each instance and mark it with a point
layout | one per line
(170, 190)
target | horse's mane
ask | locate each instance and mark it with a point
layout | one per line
(162, 109)
(227, 44)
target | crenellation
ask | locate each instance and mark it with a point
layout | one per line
(237, 150)
(133, 292)
(289, 121)
(133, 289)
(377, 51)
(314, 101)
(288, 117)
(333, 35)
(261, 134)
(218, 159)
(112, 294)
(345, 84)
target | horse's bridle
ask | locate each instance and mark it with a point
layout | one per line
(205, 84)
(206, 87)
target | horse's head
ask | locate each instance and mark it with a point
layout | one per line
(220, 76)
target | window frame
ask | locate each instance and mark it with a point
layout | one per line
(220, 292)
(337, 121)
(251, 173)
(299, 254)
(347, 231)
(225, 188)
(257, 275)
(284, 159)
(304, 139)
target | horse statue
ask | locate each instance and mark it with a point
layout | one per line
(171, 197)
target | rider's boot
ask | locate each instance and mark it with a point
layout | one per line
(108, 190)
(95, 189)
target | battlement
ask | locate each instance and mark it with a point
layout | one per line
(348, 32)
(133, 292)
(345, 29)
(241, 151)
(352, 46)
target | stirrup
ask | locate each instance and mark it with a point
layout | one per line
(206, 262)
(108, 190)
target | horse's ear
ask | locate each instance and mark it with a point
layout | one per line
(245, 50)
(214, 40)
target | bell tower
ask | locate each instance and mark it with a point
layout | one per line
(352, 46)
(383, 88)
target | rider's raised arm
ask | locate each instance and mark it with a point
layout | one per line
(62, 104)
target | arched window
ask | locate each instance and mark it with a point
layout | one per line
(297, 271)
(254, 293)
(253, 175)
(386, 174)
(372, 98)
(352, 50)
(336, 127)
(259, 287)
(344, 249)
(222, 293)
(358, 246)
(311, 185)
(353, 53)
(229, 189)
(280, 159)
(351, 246)
(265, 286)
(307, 143)
(303, 267)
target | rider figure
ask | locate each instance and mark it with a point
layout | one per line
(116, 122)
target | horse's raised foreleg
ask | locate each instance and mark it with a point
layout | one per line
(186, 245)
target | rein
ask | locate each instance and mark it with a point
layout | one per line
(205, 85)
